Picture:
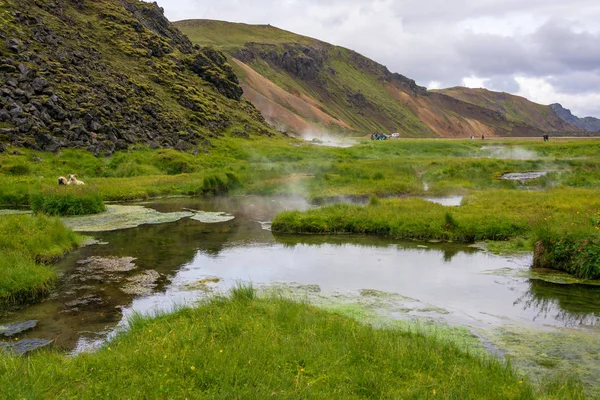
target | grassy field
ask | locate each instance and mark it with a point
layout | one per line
(27, 245)
(525, 213)
(242, 346)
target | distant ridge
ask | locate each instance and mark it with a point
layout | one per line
(301, 84)
(588, 123)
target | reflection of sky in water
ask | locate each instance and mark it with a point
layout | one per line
(454, 278)
(456, 281)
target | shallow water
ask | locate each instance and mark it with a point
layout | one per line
(523, 176)
(448, 201)
(447, 283)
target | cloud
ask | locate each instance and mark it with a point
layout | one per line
(510, 44)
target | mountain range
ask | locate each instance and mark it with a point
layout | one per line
(302, 84)
(588, 123)
(112, 74)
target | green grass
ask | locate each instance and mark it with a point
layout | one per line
(67, 201)
(571, 245)
(248, 347)
(27, 244)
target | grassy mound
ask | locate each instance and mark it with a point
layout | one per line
(67, 200)
(574, 252)
(26, 244)
(247, 347)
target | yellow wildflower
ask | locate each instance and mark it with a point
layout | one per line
(434, 392)
(220, 351)
(193, 368)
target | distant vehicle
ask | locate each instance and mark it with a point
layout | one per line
(395, 135)
(379, 136)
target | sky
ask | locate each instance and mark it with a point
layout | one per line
(545, 50)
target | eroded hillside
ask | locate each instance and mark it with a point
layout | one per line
(302, 84)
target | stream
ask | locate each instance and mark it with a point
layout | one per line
(545, 326)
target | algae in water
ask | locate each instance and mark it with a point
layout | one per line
(122, 217)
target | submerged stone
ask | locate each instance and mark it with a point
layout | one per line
(204, 285)
(122, 217)
(9, 330)
(24, 346)
(142, 284)
(86, 301)
(107, 264)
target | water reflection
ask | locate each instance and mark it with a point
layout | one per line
(448, 276)
(573, 304)
(447, 250)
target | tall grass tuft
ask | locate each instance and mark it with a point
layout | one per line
(67, 200)
(27, 243)
(243, 292)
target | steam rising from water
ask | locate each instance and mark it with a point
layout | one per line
(509, 153)
(326, 139)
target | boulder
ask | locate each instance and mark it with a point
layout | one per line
(39, 84)
(15, 45)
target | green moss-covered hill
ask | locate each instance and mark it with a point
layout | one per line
(107, 74)
(303, 84)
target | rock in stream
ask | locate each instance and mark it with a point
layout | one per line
(8, 330)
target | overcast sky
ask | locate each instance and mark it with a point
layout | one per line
(545, 50)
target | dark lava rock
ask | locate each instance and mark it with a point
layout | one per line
(7, 68)
(2, 148)
(152, 17)
(39, 84)
(211, 65)
(4, 115)
(8, 330)
(24, 346)
(14, 44)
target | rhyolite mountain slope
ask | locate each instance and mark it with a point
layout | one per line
(514, 108)
(305, 85)
(107, 74)
(588, 123)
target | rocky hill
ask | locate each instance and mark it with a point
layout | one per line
(108, 74)
(516, 109)
(590, 124)
(302, 84)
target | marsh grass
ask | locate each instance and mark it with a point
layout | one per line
(572, 246)
(67, 201)
(244, 346)
(484, 215)
(27, 244)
